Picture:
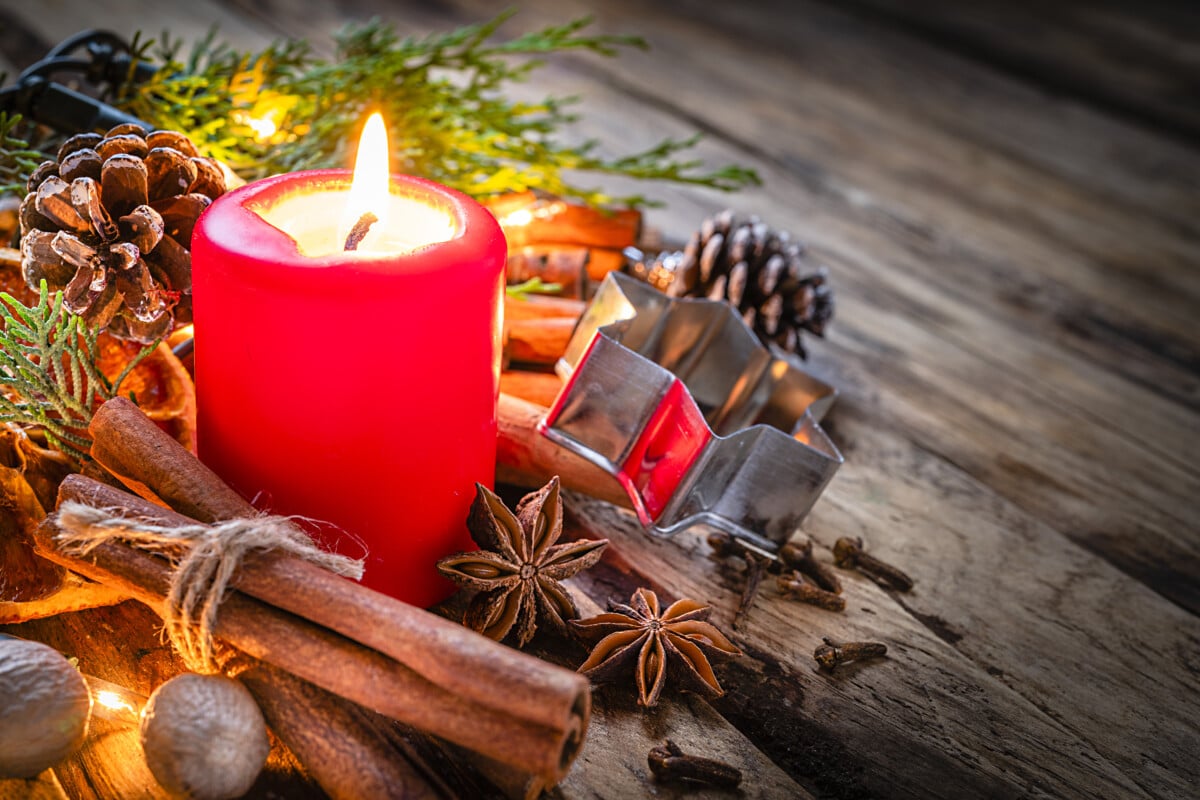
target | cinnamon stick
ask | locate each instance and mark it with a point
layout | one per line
(524, 457)
(539, 388)
(10, 258)
(147, 460)
(346, 753)
(540, 306)
(598, 262)
(336, 663)
(537, 341)
(565, 266)
(603, 260)
(528, 219)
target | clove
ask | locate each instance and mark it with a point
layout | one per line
(725, 546)
(798, 587)
(798, 555)
(830, 654)
(849, 554)
(669, 763)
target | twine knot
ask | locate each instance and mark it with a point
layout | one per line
(205, 559)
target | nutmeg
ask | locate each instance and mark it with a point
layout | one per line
(44, 708)
(204, 737)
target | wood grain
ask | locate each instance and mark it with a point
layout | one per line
(880, 728)
(613, 760)
(1070, 49)
(1009, 204)
(944, 311)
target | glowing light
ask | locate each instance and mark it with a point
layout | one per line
(114, 701)
(263, 125)
(264, 128)
(539, 209)
(369, 191)
(522, 216)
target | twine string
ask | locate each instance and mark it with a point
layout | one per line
(206, 557)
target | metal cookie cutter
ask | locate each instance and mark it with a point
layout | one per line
(698, 421)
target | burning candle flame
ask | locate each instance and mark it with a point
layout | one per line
(370, 188)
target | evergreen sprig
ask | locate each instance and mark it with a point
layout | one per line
(17, 157)
(443, 96)
(48, 371)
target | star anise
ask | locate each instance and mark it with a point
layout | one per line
(678, 640)
(518, 569)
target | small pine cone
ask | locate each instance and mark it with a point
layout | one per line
(109, 222)
(759, 271)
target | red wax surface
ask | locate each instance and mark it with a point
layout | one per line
(357, 389)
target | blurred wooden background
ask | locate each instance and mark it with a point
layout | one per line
(1008, 199)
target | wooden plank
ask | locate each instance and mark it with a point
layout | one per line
(187, 21)
(960, 708)
(1009, 350)
(886, 150)
(44, 787)
(1050, 413)
(1138, 62)
(803, 56)
(612, 763)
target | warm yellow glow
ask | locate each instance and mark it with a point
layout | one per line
(522, 216)
(263, 125)
(264, 128)
(369, 190)
(114, 701)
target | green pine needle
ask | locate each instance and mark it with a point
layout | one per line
(48, 372)
(534, 285)
(443, 96)
(17, 158)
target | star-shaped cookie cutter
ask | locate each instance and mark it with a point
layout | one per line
(698, 421)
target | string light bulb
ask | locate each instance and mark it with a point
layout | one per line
(113, 702)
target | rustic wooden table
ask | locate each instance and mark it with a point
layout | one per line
(1009, 205)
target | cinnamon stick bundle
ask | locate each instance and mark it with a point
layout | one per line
(538, 328)
(436, 656)
(436, 648)
(321, 656)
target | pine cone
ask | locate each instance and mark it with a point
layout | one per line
(110, 222)
(760, 272)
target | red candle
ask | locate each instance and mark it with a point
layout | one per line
(355, 388)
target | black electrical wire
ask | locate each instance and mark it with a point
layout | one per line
(110, 62)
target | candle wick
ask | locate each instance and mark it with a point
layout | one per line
(359, 231)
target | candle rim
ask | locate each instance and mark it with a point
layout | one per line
(276, 250)
(269, 203)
